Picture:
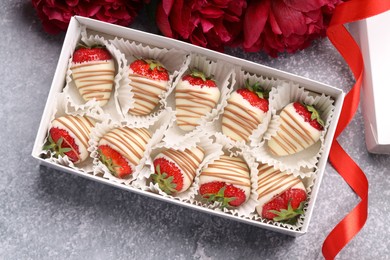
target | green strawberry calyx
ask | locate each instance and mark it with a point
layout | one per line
(315, 115)
(256, 88)
(56, 147)
(289, 215)
(219, 197)
(165, 183)
(199, 74)
(109, 163)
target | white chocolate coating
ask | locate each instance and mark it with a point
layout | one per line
(146, 93)
(193, 102)
(79, 128)
(294, 134)
(240, 118)
(129, 142)
(187, 161)
(272, 182)
(231, 170)
(94, 79)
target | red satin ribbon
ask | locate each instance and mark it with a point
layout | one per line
(347, 12)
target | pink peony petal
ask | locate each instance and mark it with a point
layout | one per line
(289, 20)
(206, 25)
(211, 12)
(305, 6)
(162, 21)
(254, 21)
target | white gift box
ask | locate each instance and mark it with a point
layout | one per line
(374, 39)
(73, 36)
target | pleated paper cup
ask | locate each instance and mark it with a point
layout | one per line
(155, 130)
(232, 151)
(175, 61)
(65, 108)
(222, 73)
(303, 163)
(210, 149)
(308, 182)
(73, 93)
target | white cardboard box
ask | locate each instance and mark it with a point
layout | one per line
(72, 37)
(374, 38)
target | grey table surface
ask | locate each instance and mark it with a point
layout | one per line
(47, 214)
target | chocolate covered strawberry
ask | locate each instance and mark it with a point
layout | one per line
(121, 149)
(226, 180)
(300, 127)
(245, 110)
(175, 170)
(69, 135)
(149, 79)
(196, 95)
(281, 196)
(93, 72)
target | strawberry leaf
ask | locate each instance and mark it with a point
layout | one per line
(219, 197)
(198, 74)
(289, 215)
(165, 183)
(315, 115)
(256, 88)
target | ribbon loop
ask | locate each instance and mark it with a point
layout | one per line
(347, 12)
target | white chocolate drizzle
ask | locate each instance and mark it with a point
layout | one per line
(94, 79)
(79, 128)
(187, 161)
(272, 182)
(240, 118)
(231, 170)
(294, 134)
(129, 142)
(146, 93)
(193, 102)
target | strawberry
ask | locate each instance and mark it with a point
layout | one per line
(245, 110)
(195, 96)
(61, 144)
(149, 79)
(175, 170)
(167, 175)
(114, 161)
(300, 127)
(95, 53)
(255, 95)
(93, 72)
(226, 194)
(285, 207)
(69, 135)
(151, 69)
(310, 114)
(198, 78)
(122, 149)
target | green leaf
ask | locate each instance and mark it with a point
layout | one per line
(256, 88)
(315, 115)
(198, 74)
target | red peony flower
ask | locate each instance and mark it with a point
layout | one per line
(285, 25)
(207, 23)
(55, 14)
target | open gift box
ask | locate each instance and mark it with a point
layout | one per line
(62, 100)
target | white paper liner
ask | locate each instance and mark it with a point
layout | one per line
(211, 150)
(175, 61)
(308, 182)
(156, 130)
(303, 163)
(63, 108)
(231, 150)
(224, 76)
(269, 84)
(73, 93)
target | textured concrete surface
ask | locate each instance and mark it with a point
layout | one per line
(46, 214)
